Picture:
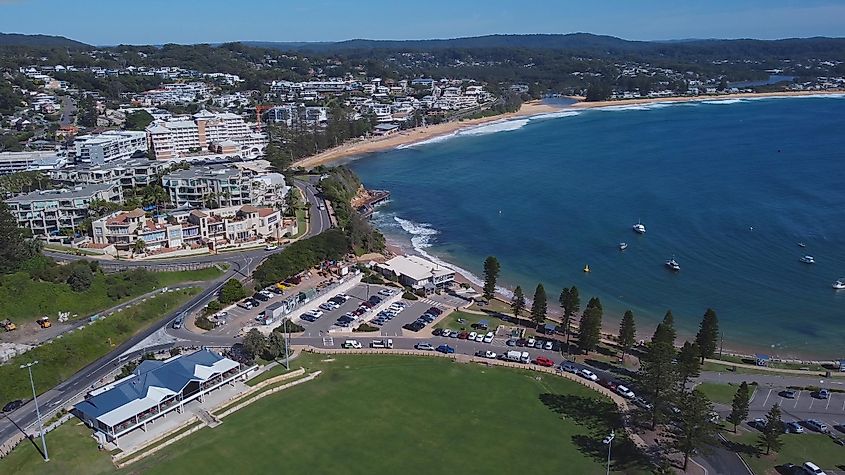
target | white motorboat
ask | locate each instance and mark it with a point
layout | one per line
(623, 246)
(673, 265)
(639, 228)
(839, 284)
(808, 259)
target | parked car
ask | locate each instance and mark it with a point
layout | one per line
(569, 368)
(793, 428)
(817, 426)
(625, 392)
(386, 292)
(271, 247)
(642, 403)
(548, 345)
(424, 346)
(758, 423)
(789, 393)
(511, 342)
(472, 336)
(445, 333)
(485, 354)
(353, 344)
(434, 311)
(823, 394)
(587, 374)
(812, 469)
(446, 349)
(12, 405)
(463, 335)
(543, 361)
(260, 296)
(488, 338)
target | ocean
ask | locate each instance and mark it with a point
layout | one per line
(726, 187)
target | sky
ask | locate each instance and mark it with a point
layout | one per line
(110, 22)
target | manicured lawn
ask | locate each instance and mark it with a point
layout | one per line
(385, 414)
(64, 356)
(71, 449)
(494, 306)
(719, 393)
(23, 299)
(451, 321)
(797, 449)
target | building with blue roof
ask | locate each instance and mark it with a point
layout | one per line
(155, 389)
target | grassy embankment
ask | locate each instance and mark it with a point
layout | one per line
(63, 357)
(23, 299)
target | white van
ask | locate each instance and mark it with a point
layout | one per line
(352, 344)
(525, 358)
(812, 468)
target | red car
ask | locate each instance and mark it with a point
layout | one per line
(463, 335)
(543, 361)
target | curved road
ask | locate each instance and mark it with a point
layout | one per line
(241, 265)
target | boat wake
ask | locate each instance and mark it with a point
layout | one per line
(422, 235)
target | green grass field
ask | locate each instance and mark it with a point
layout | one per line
(451, 321)
(384, 414)
(719, 393)
(64, 356)
(72, 451)
(797, 449)
(24, 300)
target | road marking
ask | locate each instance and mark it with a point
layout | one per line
(796, 400)
(829, 398)
(843, 406)
(812, 400)
(767, 398)
(780, 402)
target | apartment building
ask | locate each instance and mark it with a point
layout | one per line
(14, 162)
(192, 228)
(290, 114)
(127, 173)
(109, 145)
(199, 186)
(47, 212)
(180, 137)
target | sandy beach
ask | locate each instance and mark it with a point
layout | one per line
(716, 97)
(376, 144)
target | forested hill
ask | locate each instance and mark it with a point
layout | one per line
(17, 39)
(588, 43)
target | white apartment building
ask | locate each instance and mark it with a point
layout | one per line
(14, 162)
(290, 114)
(47, 212)
(191, 228)
(109, 145)
(195, 187)
(178, 137)
(128, 173)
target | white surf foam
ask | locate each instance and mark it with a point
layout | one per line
(554, 115)
(422, 235)
(723, 102)
(494, 127)
(439, 138)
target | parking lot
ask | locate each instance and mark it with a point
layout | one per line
(805, 405)
(358, 294)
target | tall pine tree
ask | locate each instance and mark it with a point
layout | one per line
(772, 430)
(518, 301)
(689, 366)
(570, 302)
(658, 376)
(708, 334)
(589, 330)
(669, 327)
(627, 333)
(693, 429)
(491, 275)
(539, 305)
(740, 404)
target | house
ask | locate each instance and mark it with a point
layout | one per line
(155, 389)
(416, 272)
(385, 129)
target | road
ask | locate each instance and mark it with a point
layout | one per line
(67, 109)
(241, 265)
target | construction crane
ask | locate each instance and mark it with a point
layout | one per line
(259, 110)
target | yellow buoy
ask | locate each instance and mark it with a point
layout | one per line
(586, 268)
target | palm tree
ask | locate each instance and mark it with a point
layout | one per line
(138, 247)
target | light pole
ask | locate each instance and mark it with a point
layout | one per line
(29, 366)
(609, 442)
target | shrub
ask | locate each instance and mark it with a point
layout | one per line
(204, 323)
(213, 307)
(409, 296)
(231, 292)
(365, 327)
(292, 327)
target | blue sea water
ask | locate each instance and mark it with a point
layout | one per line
(727, 187)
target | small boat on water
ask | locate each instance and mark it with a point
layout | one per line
(639, 228)
(839, 284)
(623, 246)
(808, 259)
(673, 265)
(587, 268)
(802, 244)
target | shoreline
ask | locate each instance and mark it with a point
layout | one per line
(411, 136)
(365, 146)
(581, 104)
(740, 348)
